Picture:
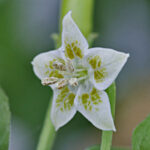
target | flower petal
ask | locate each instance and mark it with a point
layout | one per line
(95, 106)
(73, 41)
(42, 64)
(105, 65)
(63, 108)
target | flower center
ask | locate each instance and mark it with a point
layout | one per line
(81, 73)
(63, 74)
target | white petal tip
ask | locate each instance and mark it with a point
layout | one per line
(114, 129)
(69, 12)
(32, 62)
(67, 15)
(127, 55)
(56, 128)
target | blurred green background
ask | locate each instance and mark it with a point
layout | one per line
(25, 29)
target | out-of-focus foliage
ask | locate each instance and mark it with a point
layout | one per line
(4, 121)
(25, 29)
(22, 36)
(141, 136)
(97, 147)
(24, 32)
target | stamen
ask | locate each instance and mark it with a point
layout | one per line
(73, 82)
(79, 70)
(83, 78)
(59, 66)
(48, 81)
(79, 73)
(70, 65)
(65, 73)
(62, 83)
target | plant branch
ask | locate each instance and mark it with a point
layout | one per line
(48, 133)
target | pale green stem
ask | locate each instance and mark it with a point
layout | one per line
(107, 135)
(48, 133)
(82, 13)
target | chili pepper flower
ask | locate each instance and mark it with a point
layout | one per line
(79, 76)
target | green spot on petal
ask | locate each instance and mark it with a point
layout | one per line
(72, 50)
(85, 98)
(55, 73)
(99, 75)
(96, 99)
(65, 100)
(62, 95)
(69, 101)
(95, 62)
(78, 51)
(86, 102)
(69, 52)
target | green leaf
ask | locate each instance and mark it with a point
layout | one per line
(4, 121)
(114, 148)
(141, 136)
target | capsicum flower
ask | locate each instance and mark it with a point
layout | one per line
(79, 76)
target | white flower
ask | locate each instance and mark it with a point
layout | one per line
(78, 76)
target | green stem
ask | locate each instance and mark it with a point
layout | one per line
(48, 133)
(107, 135)
(82, 13)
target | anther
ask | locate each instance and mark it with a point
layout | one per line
(59, 66)
(70, 65)
(62, 83)
(73, 82)
(48, 81)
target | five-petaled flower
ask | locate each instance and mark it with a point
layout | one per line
(78, 76)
